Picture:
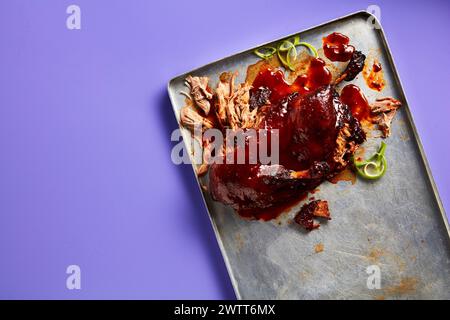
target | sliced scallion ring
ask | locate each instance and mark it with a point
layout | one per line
(291, 53)
(286, 45)
(284, 60)
(374, 167)
(265, 52)
(310, 47)
(285, 50)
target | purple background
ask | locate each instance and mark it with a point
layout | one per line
(85, 170)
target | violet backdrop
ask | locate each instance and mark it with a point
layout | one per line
(85, 171)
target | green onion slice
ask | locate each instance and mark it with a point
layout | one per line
(374, 167)
(285, 60)
(292, 53)
(265, 52)
(310, 47)
(296, 41)
(285, 51)
(286, 45)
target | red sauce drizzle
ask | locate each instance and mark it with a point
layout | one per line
(354, 98)
(376, 67)
(316, 76)
(374, 76)
(336, 47)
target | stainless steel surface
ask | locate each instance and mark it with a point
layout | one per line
(397, 223)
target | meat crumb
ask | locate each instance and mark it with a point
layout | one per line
(305, 217)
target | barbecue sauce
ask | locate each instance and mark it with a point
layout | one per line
(316, 76)
(354, 98)
(307, 114)
(374, 76)
(336, 47)
(307, 124)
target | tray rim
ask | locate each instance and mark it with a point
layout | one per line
(408, 112)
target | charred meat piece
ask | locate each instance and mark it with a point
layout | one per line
(321, 210)
(343, 146)
(260, 97)
(353, 68)
(309, 211)
(355, 65)
(309, 128)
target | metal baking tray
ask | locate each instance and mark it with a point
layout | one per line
(396, 223)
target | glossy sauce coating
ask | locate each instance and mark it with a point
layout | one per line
(308, 114)
(354, 98)
(305, 113)
(316, 76)
(336, 47)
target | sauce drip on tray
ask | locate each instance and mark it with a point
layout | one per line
(373, 74)
(354, 98)
(336, 47)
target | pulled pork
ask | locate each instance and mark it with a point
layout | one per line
(199, 92)
(384, 110)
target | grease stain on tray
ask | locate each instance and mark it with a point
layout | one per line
(347, 175)
(379, 256)
(407, 285)
(239, 241)
(319, 247)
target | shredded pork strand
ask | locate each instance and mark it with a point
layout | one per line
(384, 110)
(190, 118)
(233, 105)
(246, 118)
(224, 92)
(199, 92)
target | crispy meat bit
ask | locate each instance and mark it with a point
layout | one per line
(342, 145)
(345, 145)
(199, 92)
(353, 68)
(384, 110)
(355, 65)
(260, 97)
(316, 171)
(305, 217)
(321, 210)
